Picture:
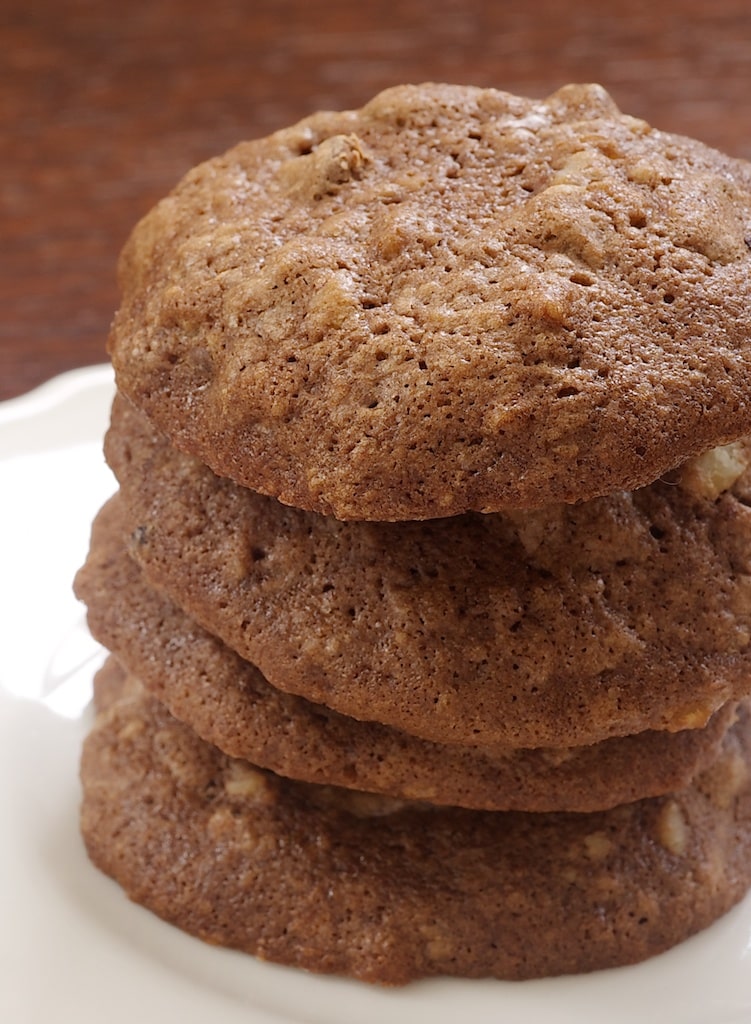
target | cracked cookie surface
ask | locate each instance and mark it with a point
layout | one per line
(453, 299)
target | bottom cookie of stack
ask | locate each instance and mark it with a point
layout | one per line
(388, 890)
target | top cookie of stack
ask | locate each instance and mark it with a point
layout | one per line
(450, 300)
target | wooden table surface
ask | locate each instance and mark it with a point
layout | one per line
(103, 106)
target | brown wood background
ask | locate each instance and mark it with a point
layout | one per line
(103, 105)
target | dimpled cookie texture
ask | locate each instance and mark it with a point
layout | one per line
(559, 627)
(226, 701)
(452, 299)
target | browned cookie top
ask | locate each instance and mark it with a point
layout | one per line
(555, 628)
(227, 702)
(338, 881)
(453, 299)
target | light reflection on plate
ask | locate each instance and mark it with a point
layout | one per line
(72, 947)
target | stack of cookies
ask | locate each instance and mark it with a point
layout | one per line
(428, 582)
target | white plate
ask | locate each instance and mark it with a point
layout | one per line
(72, 947)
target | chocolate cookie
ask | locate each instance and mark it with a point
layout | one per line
(557, 628)
(385, 891)
(228, 703)
(453, 299)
